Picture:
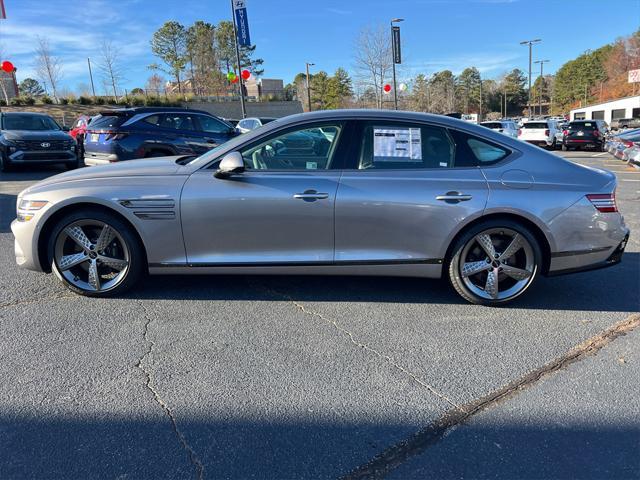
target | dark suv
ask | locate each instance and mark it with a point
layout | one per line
(34, 138)
(585, 134)
(129, 133)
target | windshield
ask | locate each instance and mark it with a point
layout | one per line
(535, 125)
(28, 122)
(582, 126)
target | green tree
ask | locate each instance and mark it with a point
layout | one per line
(30, 87)
(202, 56)
(468, 90)
(513, 84)
(169, 43)
(137, 91)
(320, 91)
(340, 89)
(419, 97)
(226, 47)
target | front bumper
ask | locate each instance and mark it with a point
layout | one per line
(25, 245)
(24, 157)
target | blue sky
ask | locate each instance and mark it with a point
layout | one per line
(436, 35)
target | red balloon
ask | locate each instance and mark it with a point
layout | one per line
(387, 88)
(8, 66)
(246, 74)
(235, 79)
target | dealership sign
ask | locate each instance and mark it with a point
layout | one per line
(634, 76)
(242, 24)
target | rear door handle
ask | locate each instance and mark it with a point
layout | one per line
(310, 195)
(454, 197)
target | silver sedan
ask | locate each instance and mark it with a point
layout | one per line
(330, 193)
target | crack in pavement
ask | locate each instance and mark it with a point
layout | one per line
(363, 346)
(149, 384)
(14, 303)
(397, 454)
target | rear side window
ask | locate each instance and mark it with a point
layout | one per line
(405, 146)
(109, 121)
(473, 151)
(212, 125)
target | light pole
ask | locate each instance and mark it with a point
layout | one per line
(309, 84)
(93, 88)
(541, 62)
(480, 109)
(243, 108)
(393, 60)
(530, 43)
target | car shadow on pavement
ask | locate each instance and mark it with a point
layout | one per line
(108, 447)
(611, 289)
(7, 211)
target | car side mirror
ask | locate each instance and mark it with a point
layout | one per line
(231, 163)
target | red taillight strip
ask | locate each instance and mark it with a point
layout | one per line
(604, 202)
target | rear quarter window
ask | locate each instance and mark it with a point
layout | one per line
(109, 121)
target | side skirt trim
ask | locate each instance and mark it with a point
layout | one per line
(411, 261)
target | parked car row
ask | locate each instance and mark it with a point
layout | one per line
(625, 146)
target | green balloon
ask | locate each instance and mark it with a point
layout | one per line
(231, 76)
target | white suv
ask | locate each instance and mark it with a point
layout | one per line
(506, 127)
(539, 132)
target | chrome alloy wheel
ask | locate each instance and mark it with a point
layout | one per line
(91, 255)
(497, 264)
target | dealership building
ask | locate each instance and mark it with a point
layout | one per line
(628, 107)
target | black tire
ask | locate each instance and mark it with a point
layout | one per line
(5, 165)
(137, 258)
(72, 165)
(453, 265)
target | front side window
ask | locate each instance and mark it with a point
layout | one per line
(405, 146)
(300, 149)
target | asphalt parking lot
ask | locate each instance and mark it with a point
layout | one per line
(281, 377)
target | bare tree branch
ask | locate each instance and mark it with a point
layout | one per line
(109, 65)
(48, 67)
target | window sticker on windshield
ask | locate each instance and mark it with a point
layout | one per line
(312, 165)
(397, 144)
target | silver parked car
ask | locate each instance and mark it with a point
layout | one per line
(338, 192)
(506, 127)
(251, 123)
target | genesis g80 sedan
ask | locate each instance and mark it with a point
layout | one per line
(358, 192)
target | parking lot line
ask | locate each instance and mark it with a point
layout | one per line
(600, 154)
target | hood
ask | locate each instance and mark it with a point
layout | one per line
(152, 167)
(35, 135)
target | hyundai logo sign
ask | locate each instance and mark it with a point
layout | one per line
(45, 144)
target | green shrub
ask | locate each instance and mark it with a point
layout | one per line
(3, 103)
(153, 102)
(99, 101)
(46, 100)
(29, 100)
(137, 102)
(85, 100)
(64, 101)
(16, 102)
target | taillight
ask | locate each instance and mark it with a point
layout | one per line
(519, 131)
(604, 202)
(546, 133)
(115, 135)
(596, 133)
(626, 143)
(565, 132)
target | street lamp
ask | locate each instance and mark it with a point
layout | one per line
(393, 62)
(541, 62)
(309, 84)
(530, 43)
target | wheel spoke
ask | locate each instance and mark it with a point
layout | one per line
(515, 245)
(491, 287)
(484, 240)
(471, 268)
(115, 263)
(94, 276)
(516, 273)
(107, 234)
(78, 236)
(68, 261)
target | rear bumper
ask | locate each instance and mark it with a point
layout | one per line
(96, 158)
(582, 142)
(541, 143)
(614, 258)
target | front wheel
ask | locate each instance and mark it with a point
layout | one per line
(494, 262)
(95, 253)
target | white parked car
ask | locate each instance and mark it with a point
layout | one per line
(247, 124)
(506, 127)
(540, 132)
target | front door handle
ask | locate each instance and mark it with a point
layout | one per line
(310, 196)
(454, 197)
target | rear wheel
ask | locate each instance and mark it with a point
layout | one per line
(494, 262)
(5, 165)
(95, 254)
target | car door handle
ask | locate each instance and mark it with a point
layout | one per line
(310, 195)
(454, 197)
